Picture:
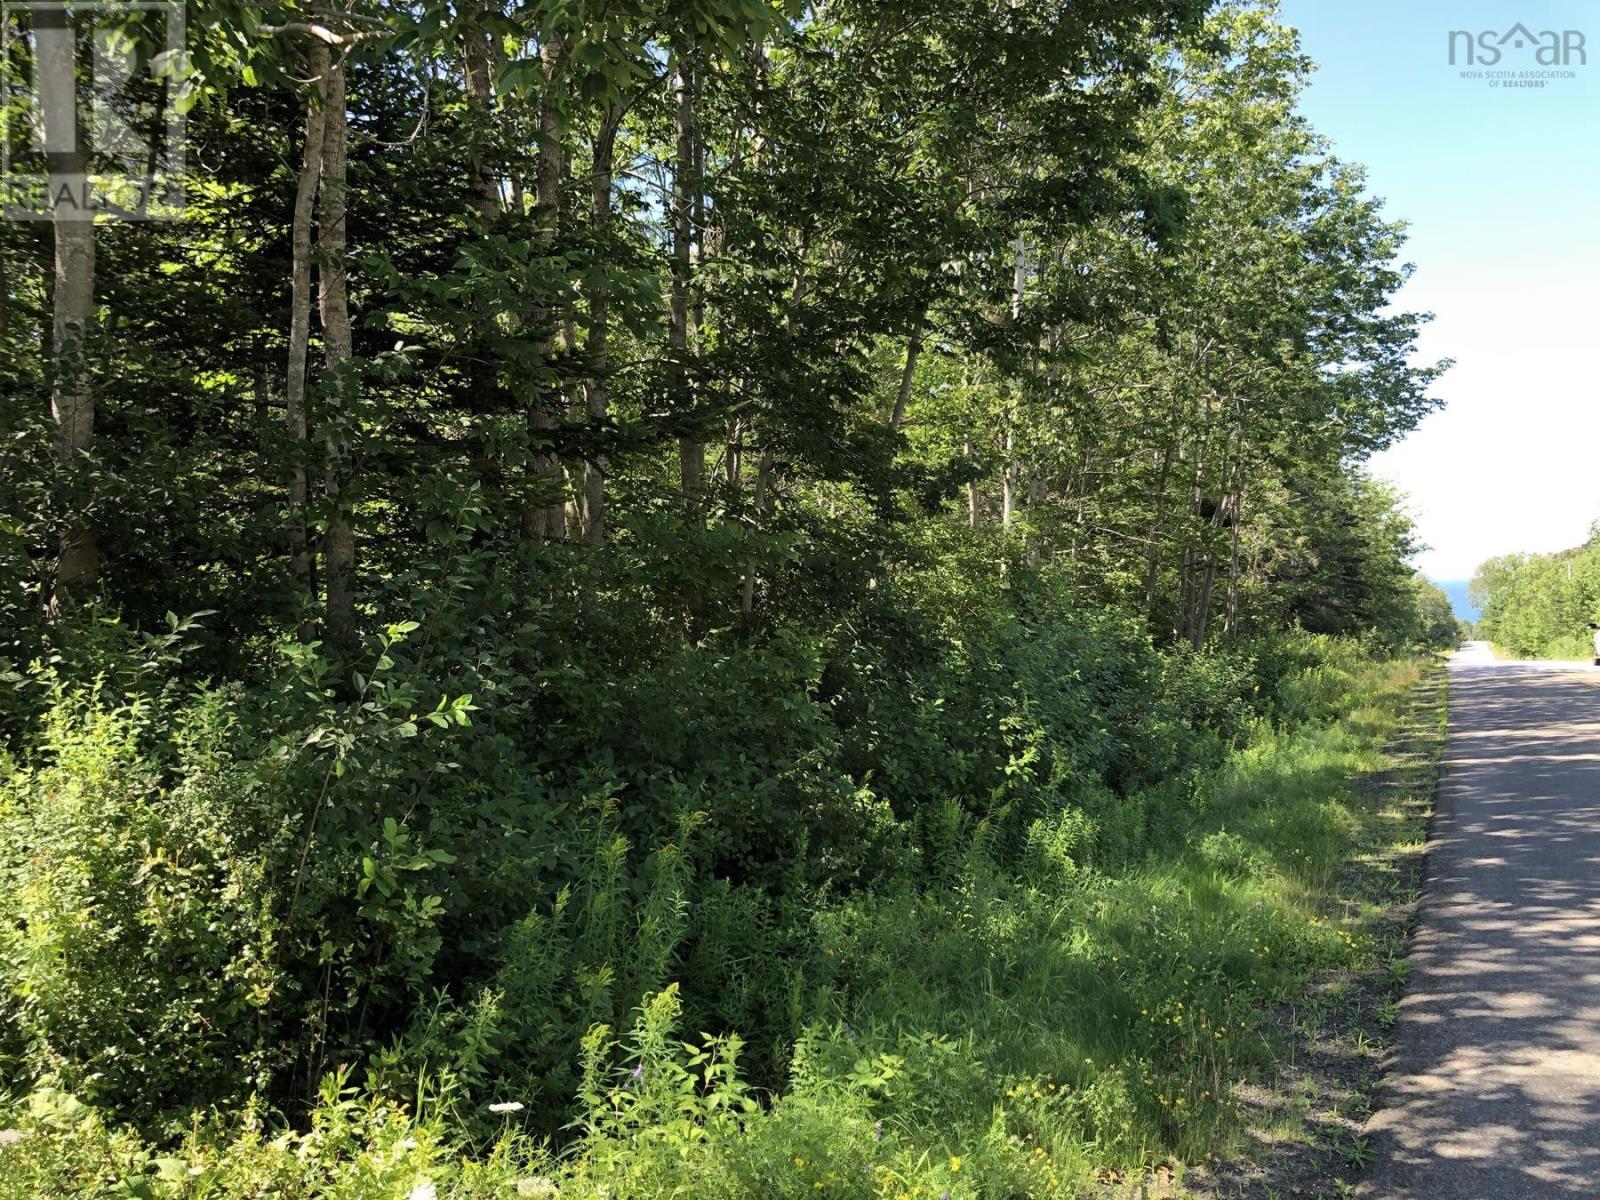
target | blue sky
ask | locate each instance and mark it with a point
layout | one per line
(1502, 190)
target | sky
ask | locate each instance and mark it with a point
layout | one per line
(1501, 187)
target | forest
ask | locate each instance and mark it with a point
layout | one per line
(1540, 605)
(687, 597)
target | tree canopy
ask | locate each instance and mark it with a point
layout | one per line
(590, 506)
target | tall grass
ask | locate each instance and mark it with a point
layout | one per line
(1016, 1032)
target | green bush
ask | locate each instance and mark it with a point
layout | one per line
(136, 861)
(896, 867)
(1540, 605)
(1027, 1020)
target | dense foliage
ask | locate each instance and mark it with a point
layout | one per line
(1019, 1021)
(1541, 605)
(783, 526)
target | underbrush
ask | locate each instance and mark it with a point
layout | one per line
(1562, 648)
(1031, 996)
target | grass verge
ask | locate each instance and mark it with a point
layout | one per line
(1062, 1029)
(1302, 1120)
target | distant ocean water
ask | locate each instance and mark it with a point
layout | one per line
(1456, 589)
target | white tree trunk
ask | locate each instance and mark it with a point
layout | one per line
(295, 414)
(691, 451)
(72, 296)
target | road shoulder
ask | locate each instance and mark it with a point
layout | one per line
(1303, 1118)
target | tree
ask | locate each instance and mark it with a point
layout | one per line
(72, 295)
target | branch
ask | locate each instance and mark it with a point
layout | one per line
(320, 32)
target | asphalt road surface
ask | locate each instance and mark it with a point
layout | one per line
(1494, 1089)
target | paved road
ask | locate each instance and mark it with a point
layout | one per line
(1494, 1091)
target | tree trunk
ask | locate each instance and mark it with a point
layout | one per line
(295, 416)
(574, 408)
(1180, 616)
(1202, 610)
(339, 544)
(260, 384)
(747, 598)
(1186, 581)
(1230, 628)
(477, 74)
(1200, 618)
(1152, 574)
(1008, 469)
(909, 373)
(733, 461)
(5, 292)
(547, 520)
(691, 451)
(599, 401)
(697, 218)
(1019, 276)
(72, 297)
(487, 396)
(972, 486)
(1008, 475)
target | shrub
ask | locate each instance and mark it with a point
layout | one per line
(135, 867)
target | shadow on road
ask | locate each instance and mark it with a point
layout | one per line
(1494, 1090)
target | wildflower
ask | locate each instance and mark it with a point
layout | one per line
(423, 1191)
(536, 1188)
(507, 1106)
(955, 1163)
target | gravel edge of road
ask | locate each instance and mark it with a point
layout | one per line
(1304, 1120)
